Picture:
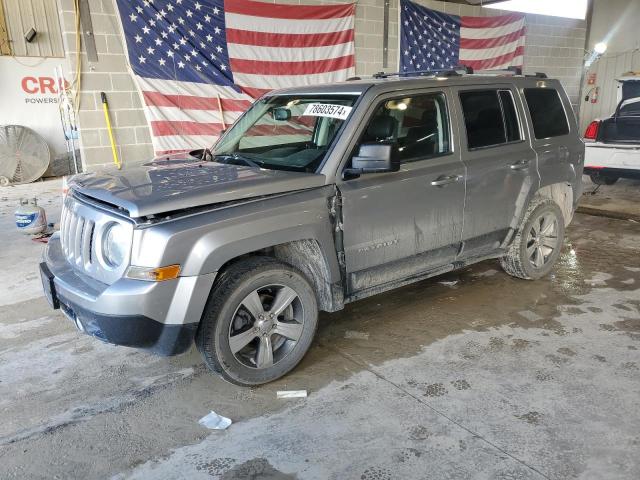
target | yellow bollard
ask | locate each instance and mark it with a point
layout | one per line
(114, 151)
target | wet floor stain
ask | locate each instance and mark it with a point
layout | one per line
(534, 418)
(435, 390)
(376, 473)
(255, 469)
(461, 384)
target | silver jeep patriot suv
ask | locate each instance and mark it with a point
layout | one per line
(316, 197)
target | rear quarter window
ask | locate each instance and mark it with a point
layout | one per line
(547, 113)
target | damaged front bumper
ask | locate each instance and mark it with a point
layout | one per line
(158, 316)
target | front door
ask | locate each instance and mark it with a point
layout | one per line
(501, 166)
(403, 224)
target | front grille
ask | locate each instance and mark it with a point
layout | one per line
(81, 228)
(76, 234)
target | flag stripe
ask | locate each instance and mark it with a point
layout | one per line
(289, 12)
(191, 102)
(480, 43)
(493, 62)
(490, 22)
(310, 67)
(481, 33)
(277, 25)
(272, 82)
(489, 53)
(284, 55)
(288, 40)
(173, 114)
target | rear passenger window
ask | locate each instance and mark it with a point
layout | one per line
(547, 113)
(490, 118)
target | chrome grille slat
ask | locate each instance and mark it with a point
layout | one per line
(77, 240)
(86, 242)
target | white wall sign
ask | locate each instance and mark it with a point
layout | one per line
(29, 97)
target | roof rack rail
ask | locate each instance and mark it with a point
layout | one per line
(445, 72)
(538, 75)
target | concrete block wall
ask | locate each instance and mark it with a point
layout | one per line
(110, 75)
(553, 45)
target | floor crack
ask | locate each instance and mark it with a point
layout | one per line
(368, 368)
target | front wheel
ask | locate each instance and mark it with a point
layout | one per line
(537, 243)
(259, 322)
(600, 179)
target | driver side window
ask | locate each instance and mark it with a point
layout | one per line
(417, 125)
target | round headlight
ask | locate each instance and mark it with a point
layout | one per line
(114, 245)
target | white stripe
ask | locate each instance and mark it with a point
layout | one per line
(494, 32)
(284, 25)
(182, 142)
(484, 53)
(173, 114)
(174, 87)
(274, 82)
(270, 54)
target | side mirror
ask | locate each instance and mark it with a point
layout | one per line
(374, 158)
(281, 114)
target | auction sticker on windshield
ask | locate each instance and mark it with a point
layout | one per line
(327, 110)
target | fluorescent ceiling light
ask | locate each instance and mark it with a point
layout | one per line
(555, 8)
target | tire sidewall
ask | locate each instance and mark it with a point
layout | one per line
(234, 370)
(530, 271)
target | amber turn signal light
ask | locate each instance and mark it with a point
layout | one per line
(158, 274)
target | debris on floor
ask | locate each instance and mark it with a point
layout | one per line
(352, 334)
(213, 421)
(448, 283)
(291, 394)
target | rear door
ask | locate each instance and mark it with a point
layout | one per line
(555, 139)
(401, 224)
(501, 165)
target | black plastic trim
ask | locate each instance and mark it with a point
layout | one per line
(136, 331)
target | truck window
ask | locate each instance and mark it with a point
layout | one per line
(547, 113)
(420, 126)
(482, 118)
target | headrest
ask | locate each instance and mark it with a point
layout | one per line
(382, 127)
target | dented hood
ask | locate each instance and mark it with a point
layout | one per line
(176, 184)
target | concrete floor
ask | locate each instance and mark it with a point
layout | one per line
(492, 377)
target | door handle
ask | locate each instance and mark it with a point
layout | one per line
(521, 165)
(446, 180)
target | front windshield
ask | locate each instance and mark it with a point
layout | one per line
(285, 132)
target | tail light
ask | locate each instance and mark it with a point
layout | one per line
(591, 133)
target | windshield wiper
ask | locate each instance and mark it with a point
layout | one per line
(235, 156)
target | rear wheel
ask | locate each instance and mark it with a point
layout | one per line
(259, 322)
(537, 244)
(600, 179)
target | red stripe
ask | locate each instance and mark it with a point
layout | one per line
(190, 102)
(288, 40)
(309, 67)
(297, 12)
(489, 22)
(492, 62)
(163, 128)
(254, 92)
(478, 43)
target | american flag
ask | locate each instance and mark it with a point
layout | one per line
(200, 63)
(432, 40)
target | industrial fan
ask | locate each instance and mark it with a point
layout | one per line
(24, 155)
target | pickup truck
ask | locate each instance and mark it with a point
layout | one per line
(317, 196)
(612, 145)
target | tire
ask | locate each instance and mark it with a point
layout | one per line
(523, 259)
(238, 328)
(600, 179)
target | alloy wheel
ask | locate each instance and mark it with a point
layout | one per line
(542, 240)
(266, 326)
